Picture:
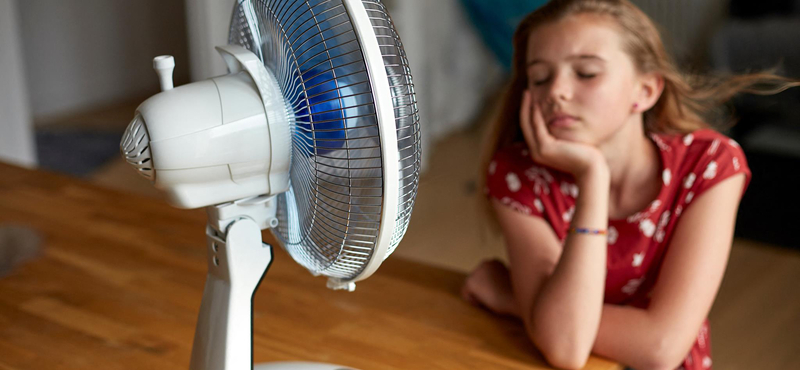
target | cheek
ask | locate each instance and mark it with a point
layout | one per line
(607, 100)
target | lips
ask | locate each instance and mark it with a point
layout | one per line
(561, 120)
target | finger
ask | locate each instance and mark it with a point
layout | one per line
(543, 137)
(525, 121)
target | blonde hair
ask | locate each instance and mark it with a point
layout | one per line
(688, 102)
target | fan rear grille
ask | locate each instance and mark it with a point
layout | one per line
(135, 147)
(330, 217)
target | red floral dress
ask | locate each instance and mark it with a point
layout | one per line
(690, 164)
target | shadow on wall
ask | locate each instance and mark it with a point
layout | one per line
(81, 54)
(85, 56)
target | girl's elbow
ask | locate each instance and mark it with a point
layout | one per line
(562, 352)
(565, 360)
(661, 363)
(665, 355)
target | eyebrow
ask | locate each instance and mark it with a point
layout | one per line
(582, 57)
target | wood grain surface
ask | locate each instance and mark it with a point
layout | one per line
(119, 280)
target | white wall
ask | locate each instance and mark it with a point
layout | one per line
(208, 24)
(81, 54)
(454, 72)
(16, 133)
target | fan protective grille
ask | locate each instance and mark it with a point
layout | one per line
(330, 218)
(405, 110)
(135, 147)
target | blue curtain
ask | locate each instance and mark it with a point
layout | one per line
(496, 21)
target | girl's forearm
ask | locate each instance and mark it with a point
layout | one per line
(636, 338)
(564, 318)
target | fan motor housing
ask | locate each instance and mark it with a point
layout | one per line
(210, 141)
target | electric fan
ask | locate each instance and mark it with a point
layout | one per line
(313, 133)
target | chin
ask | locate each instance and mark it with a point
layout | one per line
(571, 135)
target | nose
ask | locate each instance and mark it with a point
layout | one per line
(560, 88)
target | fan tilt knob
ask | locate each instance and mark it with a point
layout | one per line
(164, 65)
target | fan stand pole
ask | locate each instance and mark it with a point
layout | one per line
(237, 261)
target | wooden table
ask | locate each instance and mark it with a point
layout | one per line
(119, 281)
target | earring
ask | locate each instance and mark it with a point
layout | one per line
(635, 106)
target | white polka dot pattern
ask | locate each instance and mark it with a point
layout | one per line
(513, 182)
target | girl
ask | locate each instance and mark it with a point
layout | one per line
(616, 199)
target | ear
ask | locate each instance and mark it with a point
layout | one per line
(651, 85)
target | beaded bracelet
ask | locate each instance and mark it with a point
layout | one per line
(579, 230)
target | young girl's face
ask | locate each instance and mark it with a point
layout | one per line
(580, 78)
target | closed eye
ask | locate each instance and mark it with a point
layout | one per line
(583, 76)
(541, 82)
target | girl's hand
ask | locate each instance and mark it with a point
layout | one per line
(574, 158)
(489, 285)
